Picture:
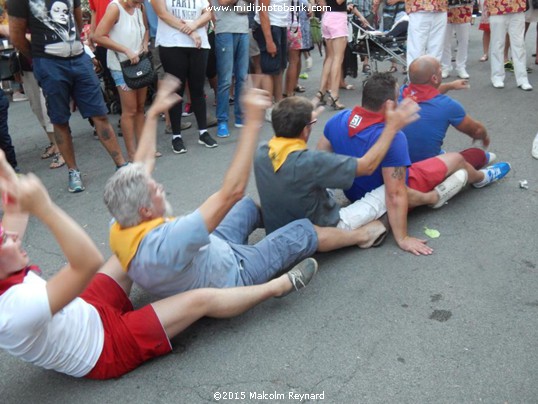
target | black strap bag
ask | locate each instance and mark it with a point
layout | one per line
(138, 75)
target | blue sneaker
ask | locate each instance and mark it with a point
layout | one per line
(75, 181)
(493, 173)
(238, 123)
(222, 129)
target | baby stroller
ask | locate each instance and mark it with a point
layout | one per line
(379, 46)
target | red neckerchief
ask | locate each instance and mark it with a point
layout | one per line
(420, 92)
(16, 278)
(360, 119)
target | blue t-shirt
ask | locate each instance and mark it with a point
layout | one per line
(152, 18)
(336, 131)
(425, 136)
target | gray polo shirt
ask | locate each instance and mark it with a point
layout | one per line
(229, 21)
(298, 189)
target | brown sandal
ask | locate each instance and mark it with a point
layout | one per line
(334, 102)
(320, 97)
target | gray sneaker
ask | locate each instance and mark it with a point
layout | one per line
(302, 273)
(75, 181)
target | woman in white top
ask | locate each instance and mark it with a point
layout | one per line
(123, 30)
(184, 49)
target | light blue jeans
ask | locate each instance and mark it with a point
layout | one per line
(232, 57)
(277, 252)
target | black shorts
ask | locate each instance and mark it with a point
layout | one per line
(272, 65)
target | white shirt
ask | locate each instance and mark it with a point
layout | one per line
(278, 13)
(69, 342)
(186, 10)
(128, 31)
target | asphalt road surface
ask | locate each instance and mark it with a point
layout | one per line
(374, 326)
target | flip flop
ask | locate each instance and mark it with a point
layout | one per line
(393, 69)
(48, 153)
(57, 161)
(484, 58)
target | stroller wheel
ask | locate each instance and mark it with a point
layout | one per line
(115, 107)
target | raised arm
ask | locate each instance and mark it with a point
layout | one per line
(396, 117)
(147, 146)
(236, 178)
(27, 194)
(397, 207)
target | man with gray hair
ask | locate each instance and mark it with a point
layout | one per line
(207, 248)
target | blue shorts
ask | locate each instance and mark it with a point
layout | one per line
(117, 76)
(61, 79)
(272, 65)
(277, 252)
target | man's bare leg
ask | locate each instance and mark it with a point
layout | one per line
(178, 312)
(64, 141)
(112, 268)
(333, 238)
(108, 139)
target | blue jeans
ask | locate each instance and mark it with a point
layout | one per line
(232, 57)
(5, 138)
(277, 252)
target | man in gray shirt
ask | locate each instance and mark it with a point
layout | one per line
(292, 180)
(209, 247)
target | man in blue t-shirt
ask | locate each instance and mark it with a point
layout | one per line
(437, 112)
(429, 182)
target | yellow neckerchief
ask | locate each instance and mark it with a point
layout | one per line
(124, 242)
(281, 147)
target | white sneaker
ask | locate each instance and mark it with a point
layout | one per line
(308, 63)
(535, 147)
(526, 87)
(462, 73)
(18, 97)
(268, 113)
(445, 72)
(498, 84)
(450, 187)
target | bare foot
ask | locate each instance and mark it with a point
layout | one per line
(375, 233)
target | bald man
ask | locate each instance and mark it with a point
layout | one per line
(437, 112)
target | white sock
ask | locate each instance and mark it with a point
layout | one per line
(202, 131)
(174, 136)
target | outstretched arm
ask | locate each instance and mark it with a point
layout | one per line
(395, 119)
(236, 178)
(460, 84)
(475, 129)
(27, 194)
(147, 146)
(397, 206)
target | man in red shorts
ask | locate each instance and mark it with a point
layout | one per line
(81, 321)
(429, 182)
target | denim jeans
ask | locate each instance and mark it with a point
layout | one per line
(5, 139)
(232, 57)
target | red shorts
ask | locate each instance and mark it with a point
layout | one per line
(131, 336)
(484, 27)
(425, 175)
